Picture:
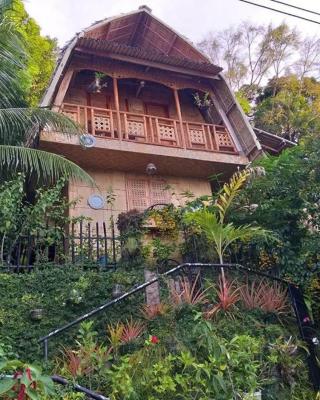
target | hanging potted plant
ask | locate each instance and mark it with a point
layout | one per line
(96, 86)
(202, 102)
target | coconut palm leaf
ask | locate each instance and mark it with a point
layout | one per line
(12, 57)
(21, 126)
(42, 165)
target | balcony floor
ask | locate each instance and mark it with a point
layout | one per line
(134, 156)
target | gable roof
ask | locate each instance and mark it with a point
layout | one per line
(137, 33)
(142, 29)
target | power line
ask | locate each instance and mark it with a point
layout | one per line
(281, 12)
(296, 7)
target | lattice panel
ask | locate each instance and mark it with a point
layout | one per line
(137, 194)
(101, 123)
(197, 136)
(136, 128)
(224, 140)
(167, 132)
(71, 114)
(159, 192)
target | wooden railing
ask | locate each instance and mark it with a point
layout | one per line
(150, 129)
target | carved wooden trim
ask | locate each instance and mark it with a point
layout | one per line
(123, 70)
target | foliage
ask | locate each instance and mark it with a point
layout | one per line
(188, 293)
(41, 52)
(274, 70)
(202, 102)
(22, 381)
(228, 295)
(166, 220)
(212, 367)
(49, 287)
(45, 218)
(250, 52)
(289, 107)
(20, 127)
(151, 311)
(243, 101)
(287, 198)
(88, 359)
(212, 222)
(271, 298)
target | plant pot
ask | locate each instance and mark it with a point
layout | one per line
(36, 314)
(117, 290)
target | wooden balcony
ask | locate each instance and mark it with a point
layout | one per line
(149, 129)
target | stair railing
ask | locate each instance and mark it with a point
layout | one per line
(300, 309)
(139, 288)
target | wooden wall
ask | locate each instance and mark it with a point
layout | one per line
(152, 94)
(117, 181)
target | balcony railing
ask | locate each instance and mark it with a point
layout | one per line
(150, 129)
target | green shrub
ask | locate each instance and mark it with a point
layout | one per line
(64, 293)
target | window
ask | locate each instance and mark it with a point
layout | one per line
(143, 193)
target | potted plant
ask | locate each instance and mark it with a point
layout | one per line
(34, 303)
(96, 86)
(202, 102)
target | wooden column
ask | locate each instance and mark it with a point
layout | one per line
(117, 105)
(62, 90)
(178, 108)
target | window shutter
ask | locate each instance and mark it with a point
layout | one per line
(143, 193)
(137, 192)
(159, 192)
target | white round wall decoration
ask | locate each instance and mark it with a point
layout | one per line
(87, 141)
(96, 201)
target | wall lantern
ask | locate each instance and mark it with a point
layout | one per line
(151, 169)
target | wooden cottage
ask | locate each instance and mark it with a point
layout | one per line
(145, 95)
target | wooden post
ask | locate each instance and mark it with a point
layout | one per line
(117, 105)
(178, 108)
(62, 90)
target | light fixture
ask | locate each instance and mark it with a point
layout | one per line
(151, 169)
(87, 141)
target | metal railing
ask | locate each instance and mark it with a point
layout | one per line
(300, 309)
(139, 288)
(77, 244)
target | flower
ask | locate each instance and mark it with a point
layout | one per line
(154, 339)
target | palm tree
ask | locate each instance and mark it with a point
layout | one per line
(20, 126)
(213, 225)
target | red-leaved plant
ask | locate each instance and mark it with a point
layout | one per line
(270, 298)
(151, 311)
(228, 295)
(131, 330)
(188, 293)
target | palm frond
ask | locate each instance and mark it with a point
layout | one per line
(21, 126)
(41, 164)
(222, 235)
(12, 64)
(230, 191)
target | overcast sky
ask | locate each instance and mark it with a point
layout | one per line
(192, 18)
